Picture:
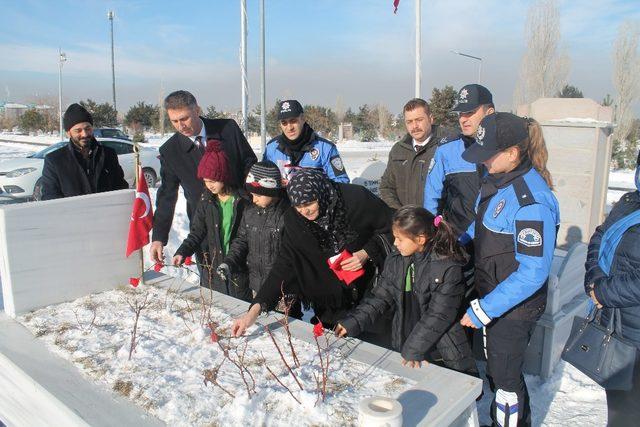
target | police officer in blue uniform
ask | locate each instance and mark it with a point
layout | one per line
(453, 183)
(300, 147)
(514, 235)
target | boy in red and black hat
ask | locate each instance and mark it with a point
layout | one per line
(258, 240)
(216, 222)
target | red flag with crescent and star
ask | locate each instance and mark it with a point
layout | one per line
(141, 217)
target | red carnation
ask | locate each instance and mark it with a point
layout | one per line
(318, 330)
(187, 261)
(134, 281)
(158, 266)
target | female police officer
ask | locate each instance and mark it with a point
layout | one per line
(514, 238)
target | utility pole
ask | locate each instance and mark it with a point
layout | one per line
(62, 57)
(243, 63)
(113, 69)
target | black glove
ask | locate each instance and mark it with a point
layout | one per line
(223, 271)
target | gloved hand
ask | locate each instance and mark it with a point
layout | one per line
(223, 271)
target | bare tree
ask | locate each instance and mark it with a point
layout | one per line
(545, 65)
(626, 81)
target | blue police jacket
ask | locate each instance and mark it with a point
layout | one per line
(514, 239)
(319, 153)
(452, 184)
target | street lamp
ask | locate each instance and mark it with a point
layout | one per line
(113, 70)
(472, 57)
(62, 58)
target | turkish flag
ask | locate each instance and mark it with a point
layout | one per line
(395, 5)
(141, 217)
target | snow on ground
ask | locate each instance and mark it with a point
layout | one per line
(166, 372)
(32, 139)
(567, 398)
(13, 149)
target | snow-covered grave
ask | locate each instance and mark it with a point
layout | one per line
(69, 356)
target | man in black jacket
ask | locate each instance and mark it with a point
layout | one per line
(179, 158)
(83, 166)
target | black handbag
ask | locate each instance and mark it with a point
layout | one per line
(600, 352)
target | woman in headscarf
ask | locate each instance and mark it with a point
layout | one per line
(329, 251)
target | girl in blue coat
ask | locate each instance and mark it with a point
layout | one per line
(514, 235)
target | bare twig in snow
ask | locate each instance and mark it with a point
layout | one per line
(136, 306)
(287, 304)
(282, 356)
(81, 326)
(281, 383)
(211, 376)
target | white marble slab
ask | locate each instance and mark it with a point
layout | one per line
(37, 386)
(59, 250)
(441, 397)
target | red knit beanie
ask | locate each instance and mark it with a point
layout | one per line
(214, 164)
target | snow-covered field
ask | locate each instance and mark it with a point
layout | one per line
(567, 398)
(179, 372)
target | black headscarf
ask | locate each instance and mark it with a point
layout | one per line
(331, 228)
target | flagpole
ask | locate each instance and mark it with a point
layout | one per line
(136, 155)
(418, 49)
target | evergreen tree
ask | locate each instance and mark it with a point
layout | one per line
(321, 119)
(212, 113)
(32, 120)
(142, 116)
(441, 103)
(569, 91)
(103, 114)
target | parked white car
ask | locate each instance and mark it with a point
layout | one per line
(20, 177)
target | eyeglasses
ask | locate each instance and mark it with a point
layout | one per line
(262, 182)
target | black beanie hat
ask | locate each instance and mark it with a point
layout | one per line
(75, 114)
(264, 178)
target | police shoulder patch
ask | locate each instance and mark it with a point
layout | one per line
(337, 165)
(529, 238)
(314, 153)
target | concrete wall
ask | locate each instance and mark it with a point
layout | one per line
(577, 133)
(60, 250)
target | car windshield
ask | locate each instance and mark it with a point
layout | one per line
(49, 149)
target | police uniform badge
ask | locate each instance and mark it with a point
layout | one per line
(463, 96)
(337, 165)
(314, 153)
(499, 208)
(529, 237)
(480, 135)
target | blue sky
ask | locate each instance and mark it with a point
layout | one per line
(317, 50)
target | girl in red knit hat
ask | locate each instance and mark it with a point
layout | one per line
(215, 223)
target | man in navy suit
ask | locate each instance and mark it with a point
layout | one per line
(179, 158)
